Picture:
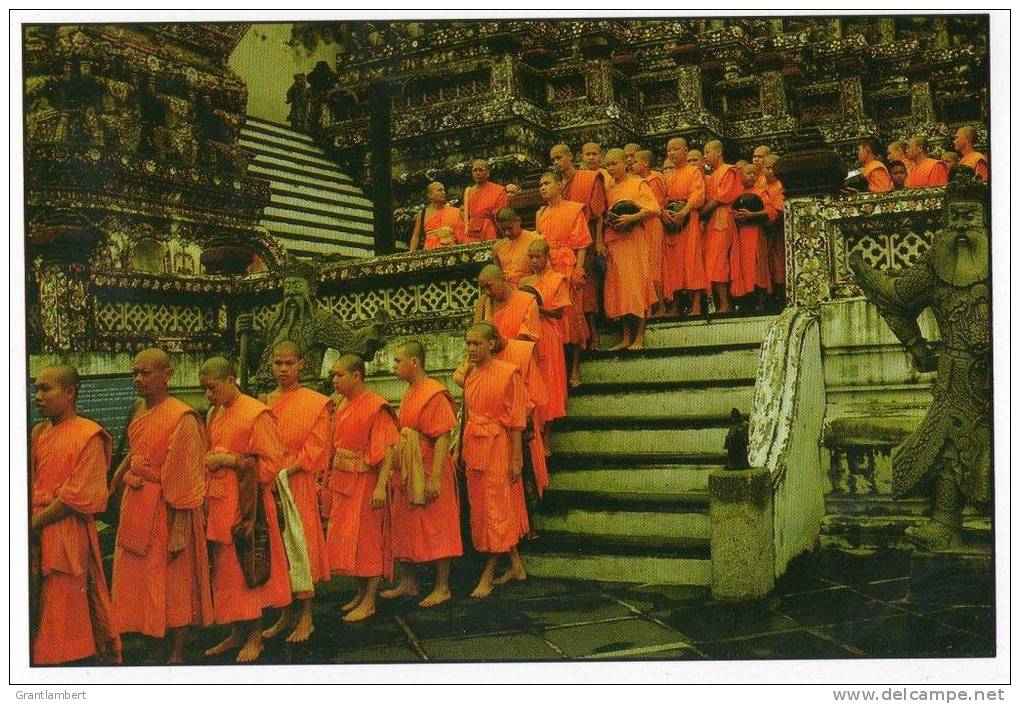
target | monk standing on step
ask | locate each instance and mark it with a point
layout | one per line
(70, 456)
(424, 507)
(302, 416)
(246, 455)
(723, 186)
(628, 288)
(774, 196)
(510, 251)
(481, 203)
(440, 224)
(160, 562)
(496, 406)
(927, 172)
(364, 440)
(963, 142)
(683, 259)
(513, 312)
(654, 233)
(591, 292)
(749, 258)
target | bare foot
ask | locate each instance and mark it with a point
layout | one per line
(575, 379)
(363, 611)
(353, 603)
(398, 591)
(232, 641)
(511, 575)
(636, 346)
(620, 346)
(278, 627)
(482, 590)
(437, 597)
(251, 651)
(302, 630)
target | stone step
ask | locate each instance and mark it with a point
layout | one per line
(305, 248)
(679, 403)
(303, 217)
(639, 528)
(586, 459)
(278, 129)
(329, 208)
(317, 234)
(718, 365)
(641, 442)
(263, 147)
(257, 141)
(330, 174)
(725, 331)
(618, 568)
(315, 188)
(680, 483)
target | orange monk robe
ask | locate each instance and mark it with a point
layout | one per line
(518, 318)
(302, 415)
(772, 196)
(566, 230)
(877, 176)
(554, 288)
(928, 173)
(495, 402)
(654, 232)
(357, 537)
(724, 186)
(246, 427)
(749, 257)
(447, 216)
(153, 590)
(523, 354)
(483, 202)
(70, 462)
(512, 255)
(430, 532)
(979, 162)
(590, 300)
(628, 286)
(683, 258)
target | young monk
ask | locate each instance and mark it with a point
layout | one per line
(629, 150)
(683, 259)
(773, 195)
(245, 449)
(628, 286)
(927, 172)
(70, 456)
(565, 226)
(749, 258)
(513, 312)
(160, 562)
(654, 233)
(897, 151)
(364, 437)
(591, 292)
(963, 143)
(872, 169)
(426, 527)
(554, 289)
(482, 201)
(510, 251)
(495, 402)
(441, 224)
(723, 187)
(302, 416)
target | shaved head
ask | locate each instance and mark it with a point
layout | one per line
(507, 215)
(539, 246)
(591, 147)
(615, 153)
(677, 143)
(968, 133)
(560, 149)
(64, 375)
(415, 349)
(644, 154)
(155, 356)
(491, 272)
(351, 363)
(217, 368)
(480, 163)
(288, 347)
(631, 148)
(713, 145)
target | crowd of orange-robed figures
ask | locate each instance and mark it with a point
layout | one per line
(366, 491)
(247, 509)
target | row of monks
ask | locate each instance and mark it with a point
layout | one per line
(224, 517)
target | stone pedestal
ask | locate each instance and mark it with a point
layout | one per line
(740, 513)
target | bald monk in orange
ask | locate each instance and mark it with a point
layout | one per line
(513, 312)
(696, 158)
(364, 437)
(683, 259)
(70, 456)
(654, 233)
(749, 258)
(668, 167)
(591, 294)
(510, 251)
(245, 441)
(963, 143)
(302, 415)
(723, 187)
(425, 528)
(927, 172)
(495, 404)
(482, 201)
(628, 289)
(441, 224)
(629, 150)
(897, 151)
(554, 289)
(160, 562)
(872, 169)
(774, 197)
(758, 157)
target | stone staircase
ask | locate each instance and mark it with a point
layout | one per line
(628, 493)
(315, 208)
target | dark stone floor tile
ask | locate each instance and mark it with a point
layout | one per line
(832, 606)
(572, 609)
(385, 654)
(979, 620)
(658, 598)
(845, 567)
(891, 590)
(603, 638)
(907, 636)
(789, 645)
(515, 647)
(943, 584)
(673, 654)
(542, 588)
(458, 618)
(719, 621)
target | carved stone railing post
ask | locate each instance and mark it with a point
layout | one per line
(922, 109)
(886, 30)
(772, 92)
(690, 96)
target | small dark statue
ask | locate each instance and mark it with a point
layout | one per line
(301, 320)
(736, 441)
(950, 453)
(297, 98)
